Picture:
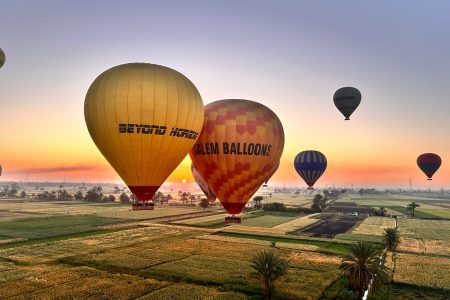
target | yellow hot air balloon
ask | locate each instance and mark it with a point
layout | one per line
(240, 145)
(144, 119)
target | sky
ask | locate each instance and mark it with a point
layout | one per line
(289, 55)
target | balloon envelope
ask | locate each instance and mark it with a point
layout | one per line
(144, 119)
(203, 184)
(310, 165)
(2, 58)
(272, 173)
(239, 146)
(347, 100)
(429, 163)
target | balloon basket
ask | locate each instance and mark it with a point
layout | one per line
(429, 179)
(233, 220)
(149, 206)
(310, 188)
(264, 185)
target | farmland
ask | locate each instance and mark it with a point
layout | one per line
(83, 265)
(331, 225)
(423, 270)
(424, 229)
(84, 250)
(374, 226)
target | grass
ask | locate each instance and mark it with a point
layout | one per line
(167, 261)
(45, 227)
(437, 213)
(73, 259)
(359, 237)
(203, 221)
(297, 223)
(290, 199)
(186, 291)
(107, 210)
(75, 283)
(424, 229)
(377, 202)
(423, 270)
(402, 291)
(425, 247)
(267, 221)
(257, 218)
(374, 226)
(330, 248)
(421, 214)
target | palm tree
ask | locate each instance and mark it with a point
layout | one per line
(391, 238)
(184, 197)
(269, 267)
(412, 207)
(257, 201)
(363, 266)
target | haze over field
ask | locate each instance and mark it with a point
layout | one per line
(291, 57)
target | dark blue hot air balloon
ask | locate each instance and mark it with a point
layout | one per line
(310, 165)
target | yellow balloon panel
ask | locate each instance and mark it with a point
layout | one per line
(240, 145)
(144, 119)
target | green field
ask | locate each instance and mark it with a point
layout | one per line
(418, 213)
(204, 221)
(45, 227)
(440, 213)
(424, 229)
(107, 210)
(268, 220)
(396, 205)
(151, 262)
(290, 199)
(64, 250)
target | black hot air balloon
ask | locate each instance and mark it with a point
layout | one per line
(347, 100)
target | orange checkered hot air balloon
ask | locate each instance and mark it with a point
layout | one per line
(271, 174)
(240, 144)
(202, 184)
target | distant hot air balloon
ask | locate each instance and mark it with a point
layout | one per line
(347, 100)
(1, 170)
(271, 174)
(310, 165)
(429, 163)
(2, 58)
(240, 143)
(144, 119)
(202, 184)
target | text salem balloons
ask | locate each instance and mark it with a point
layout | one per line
(203, 184)
(310, 165)
(429, 163)
(2, 58)
(347, 100)
(144, 119)
(240, 144)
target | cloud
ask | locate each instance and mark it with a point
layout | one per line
(57, 169)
